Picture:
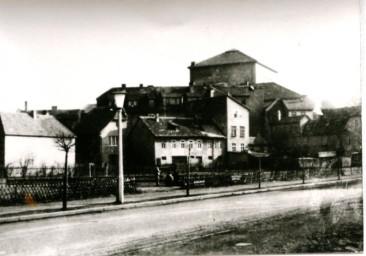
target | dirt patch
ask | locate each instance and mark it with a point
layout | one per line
(336, 227)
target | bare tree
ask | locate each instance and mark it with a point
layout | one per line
(64, 143)
(24, 163)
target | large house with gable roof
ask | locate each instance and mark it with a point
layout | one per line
(30, 139)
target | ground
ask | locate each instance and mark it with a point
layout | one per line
(336, 227)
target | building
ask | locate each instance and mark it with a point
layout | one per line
(231, 67)
(161, 141)
(29, 141)
(339, 130)
(97, 141)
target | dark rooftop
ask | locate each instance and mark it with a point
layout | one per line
(179, 127)
(228, 57)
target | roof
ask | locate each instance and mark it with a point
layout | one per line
(342, 112)
(299, 104)
(178, 127)
(228, 57)
(274, 91)
(93, 122)
(325, 126)
(233, 90)
(22, 124)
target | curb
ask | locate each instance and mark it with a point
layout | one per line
(158, 202)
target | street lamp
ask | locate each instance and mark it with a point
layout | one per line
(189, 167)
(258, 155)
(119, 99)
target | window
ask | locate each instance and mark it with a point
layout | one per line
(113, 140)
(210, 157)
(279, 115)
(199, 144)
(236, 114)
(163, 158)
(182, 144)
(163, 145)
(192, 157)
(219, 144)
(289, 113)
(174, 144)
(242, 131)
(242, 147)
(233, 131)
(210, 144)
(190, 144)
(233, 145)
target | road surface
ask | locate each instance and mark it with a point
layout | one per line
(124, 231)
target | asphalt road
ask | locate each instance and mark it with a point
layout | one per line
(120, 232)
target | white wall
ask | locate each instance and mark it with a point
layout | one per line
(43, 151)
(264, 75)
(241, 119)
(205, 151)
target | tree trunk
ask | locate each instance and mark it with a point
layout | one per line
(64, 200)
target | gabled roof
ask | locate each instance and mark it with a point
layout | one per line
(228, 57)
(21, 124)
(93, 122)
(179, 127)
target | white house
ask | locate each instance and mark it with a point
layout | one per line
(30, 140)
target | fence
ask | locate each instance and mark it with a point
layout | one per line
(31, 190)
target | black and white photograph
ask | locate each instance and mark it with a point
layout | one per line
(171, 127)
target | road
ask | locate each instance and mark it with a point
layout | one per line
(123, 231)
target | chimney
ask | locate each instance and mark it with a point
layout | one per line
(123, 86)
(26, 106)
(34, 114)
(193, 64)
(141, 85)
(157, 119)
(54, 109)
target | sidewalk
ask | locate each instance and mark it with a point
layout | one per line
(150, 196)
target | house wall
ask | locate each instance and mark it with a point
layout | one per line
(42, 150)
(237, 116)
(206, 152)
(141, 148)
(264, 75)
(272, 114)
(233, 74)
(108, 150)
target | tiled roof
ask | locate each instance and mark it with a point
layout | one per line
(233, 90)
(289, 120)
(299, 104)
(177, 127)
(228, 57)
(22, 124)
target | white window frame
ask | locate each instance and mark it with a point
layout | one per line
(242, 132)
(163, 144)
(174, 144)
(199, 143)
(233, 147)
(113, 141)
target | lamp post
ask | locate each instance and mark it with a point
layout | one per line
(119, 98)
(189, 168)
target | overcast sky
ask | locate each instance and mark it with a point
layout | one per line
(67, 53)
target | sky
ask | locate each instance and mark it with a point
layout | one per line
(67, 53)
